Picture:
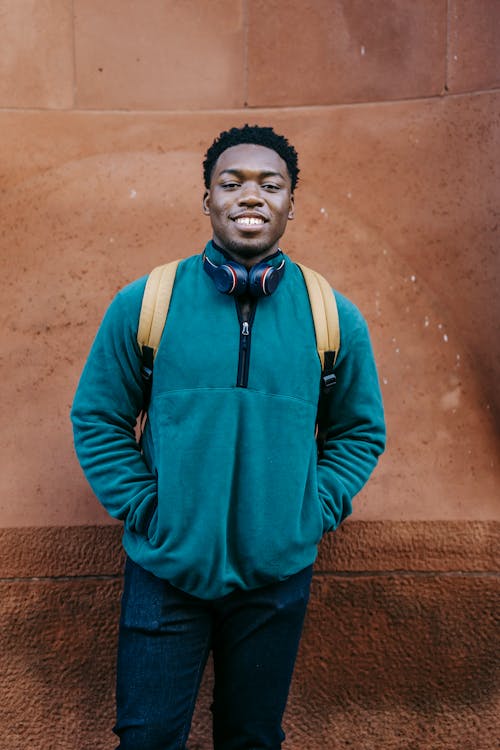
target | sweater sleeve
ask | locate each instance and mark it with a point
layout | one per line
(105, 408)
(356, 433)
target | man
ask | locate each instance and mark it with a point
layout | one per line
(225, 501)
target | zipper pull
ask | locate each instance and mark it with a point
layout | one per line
(245, 329)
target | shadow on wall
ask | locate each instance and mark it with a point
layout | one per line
(376, 644)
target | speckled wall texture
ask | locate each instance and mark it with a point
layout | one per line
(106, 110)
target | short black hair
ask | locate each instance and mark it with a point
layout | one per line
(258, 135)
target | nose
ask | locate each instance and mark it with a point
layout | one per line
(250, 194)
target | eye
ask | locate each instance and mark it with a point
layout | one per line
(271, 187)
(230, 185)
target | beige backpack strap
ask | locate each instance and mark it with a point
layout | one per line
(154, 310)
(324, 312)
(155, 304)
(327, 329)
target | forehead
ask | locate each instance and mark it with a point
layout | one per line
(251, 158)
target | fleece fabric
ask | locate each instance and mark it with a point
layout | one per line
(226, 491)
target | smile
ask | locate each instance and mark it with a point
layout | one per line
(249, 221)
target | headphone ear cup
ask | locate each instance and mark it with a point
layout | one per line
(231, 278)
(263, 280)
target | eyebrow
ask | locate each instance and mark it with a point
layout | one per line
(240, 173)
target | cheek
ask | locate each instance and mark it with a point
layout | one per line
(284, 213)
(217, 216)
(219, 208)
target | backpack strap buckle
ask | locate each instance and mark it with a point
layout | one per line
(328, 380)
(148, 356)
(328, 377)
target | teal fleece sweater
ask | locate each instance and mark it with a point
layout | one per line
(227, 491)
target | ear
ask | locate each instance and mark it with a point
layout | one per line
(206, 203)
(291, 210)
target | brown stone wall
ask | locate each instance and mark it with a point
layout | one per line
(400, 648)
(106, 110)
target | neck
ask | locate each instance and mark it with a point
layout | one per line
(244, 261)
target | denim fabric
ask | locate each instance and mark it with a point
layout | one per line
(165, 638)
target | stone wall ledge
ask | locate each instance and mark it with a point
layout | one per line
(358, 547)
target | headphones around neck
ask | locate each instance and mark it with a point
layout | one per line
(233, 278)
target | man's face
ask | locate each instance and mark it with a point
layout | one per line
(249, 201)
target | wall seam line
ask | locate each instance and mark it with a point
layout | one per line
(74, 53)
(341, 574)
(61, 579)
(447, 48)
(245, 52)
(256, 108)
(408, 573)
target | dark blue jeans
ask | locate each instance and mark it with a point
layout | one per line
(165, 638)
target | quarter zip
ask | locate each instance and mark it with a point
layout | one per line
(246, 313)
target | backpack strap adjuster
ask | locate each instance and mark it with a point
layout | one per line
(148, 356)
(328, 381)
(328, 377)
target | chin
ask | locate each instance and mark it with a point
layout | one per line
(250, 248)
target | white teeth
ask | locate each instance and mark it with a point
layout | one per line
(248, 220)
